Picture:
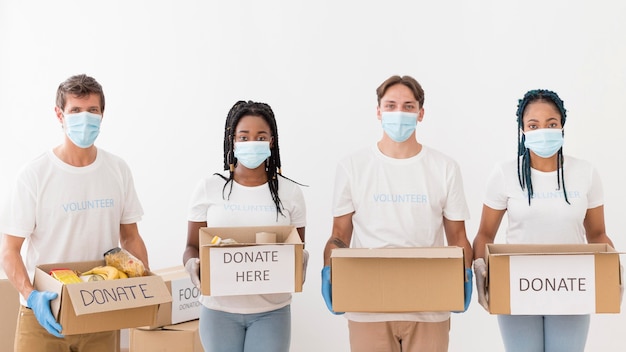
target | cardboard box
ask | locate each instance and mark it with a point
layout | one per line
(172, 338)
(102, 305)
(553, 279)
(247, 267)
(9, 306)
(185, 305)
(397, 279)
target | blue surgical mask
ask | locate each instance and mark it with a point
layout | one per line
(399, 125)
(252, 154)
(82, 128)
(544, 142)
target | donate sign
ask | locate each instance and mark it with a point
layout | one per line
(247, 270)
(552, 284)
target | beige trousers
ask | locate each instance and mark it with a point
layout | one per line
(32, 337)
(399, 336)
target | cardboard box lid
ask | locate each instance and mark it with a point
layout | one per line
(107, 295)
(246, 235)
(405, 252)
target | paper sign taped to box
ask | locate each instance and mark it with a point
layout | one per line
(185, 304)
(552, 284)
(259, 269)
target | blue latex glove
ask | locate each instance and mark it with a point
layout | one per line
(468, 286)
(327, 290)
(39, 302)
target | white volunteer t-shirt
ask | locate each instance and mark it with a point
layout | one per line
(68, 213)
(399, 203)
(246, 206)
(548, 219)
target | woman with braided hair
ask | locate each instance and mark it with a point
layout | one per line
(250, 192)
(550, 198)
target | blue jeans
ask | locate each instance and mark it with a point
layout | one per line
(544, 333)
(260, 332)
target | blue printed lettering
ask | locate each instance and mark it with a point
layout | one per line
(401, 198)
(88, 204)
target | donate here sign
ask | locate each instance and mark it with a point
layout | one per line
(260, 269)
(552, 284)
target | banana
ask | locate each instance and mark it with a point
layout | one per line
(106, 271)
(96, 277)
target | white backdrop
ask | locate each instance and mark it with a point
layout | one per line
(172, 69)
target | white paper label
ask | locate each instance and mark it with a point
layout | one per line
(552, 284)
(185, 300)
(252, 270)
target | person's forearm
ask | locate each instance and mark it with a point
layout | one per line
(137, 247)
(190, 252)
(333, 242)
(467, 251)
(16, 273)
(479, 246)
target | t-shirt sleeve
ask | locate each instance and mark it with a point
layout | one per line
(298, 207)
(133, 211)
(456, 206)
(342, 195)
(596, 192)
(19, 216)
(495, 194)
(198, 203)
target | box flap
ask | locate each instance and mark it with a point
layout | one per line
(530, 249)
(405, 252)
(247, 235)
(111, 295)
(172, 273)
(186, 326)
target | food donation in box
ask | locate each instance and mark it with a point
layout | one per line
(234, 263)
(102, 295)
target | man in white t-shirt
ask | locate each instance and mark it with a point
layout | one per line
(398, 193)
(72, 203)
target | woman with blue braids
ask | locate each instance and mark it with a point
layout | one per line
(549, 198)
(251, 191)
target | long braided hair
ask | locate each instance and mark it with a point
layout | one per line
(272, 164)
(523, 154)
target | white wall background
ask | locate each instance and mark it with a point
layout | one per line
(172, 69)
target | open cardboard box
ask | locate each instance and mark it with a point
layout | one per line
(247, 267)
(102, 305)
(398, 279)
(185, 304)
(545, 279)
(172, 338)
